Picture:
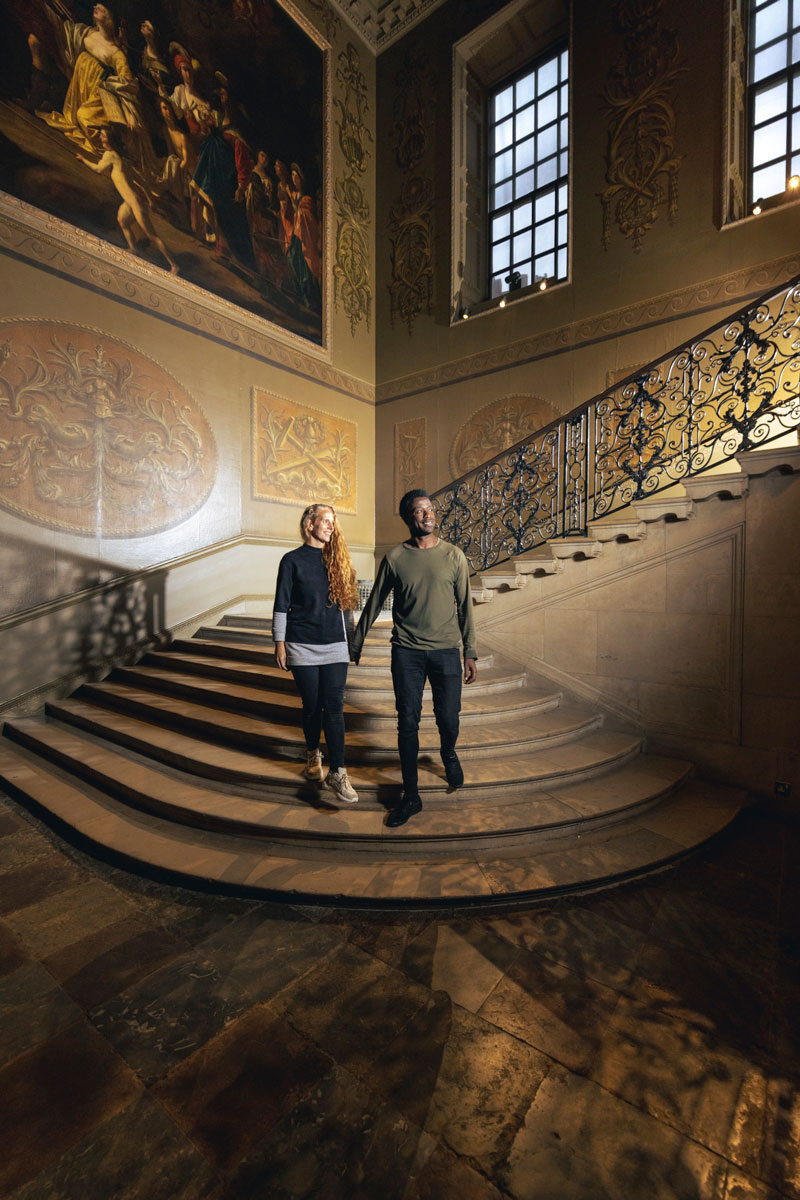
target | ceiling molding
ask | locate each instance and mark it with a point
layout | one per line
(382, 22)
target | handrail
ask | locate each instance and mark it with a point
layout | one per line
(725, 391)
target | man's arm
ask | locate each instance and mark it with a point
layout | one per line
(380, 590)
(466, 621)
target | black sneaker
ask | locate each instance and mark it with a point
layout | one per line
(409, 806)
(452, 770)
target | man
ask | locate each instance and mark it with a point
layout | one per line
(432, 614)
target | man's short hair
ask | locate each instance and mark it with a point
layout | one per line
(407, 502)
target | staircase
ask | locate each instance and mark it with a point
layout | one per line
(188, 764)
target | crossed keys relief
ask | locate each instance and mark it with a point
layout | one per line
(300, 453)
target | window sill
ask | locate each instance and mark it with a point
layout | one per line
(483, 307)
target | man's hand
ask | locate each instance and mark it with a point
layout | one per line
(470, 670)
(280, 656)
(355, 658)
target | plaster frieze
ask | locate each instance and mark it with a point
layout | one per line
(56, 246)
(731, 290)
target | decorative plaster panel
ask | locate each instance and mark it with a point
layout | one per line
(95, 438)
(495, 427)
(301, 454)
(410, 447)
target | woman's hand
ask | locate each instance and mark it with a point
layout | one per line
(280, 656)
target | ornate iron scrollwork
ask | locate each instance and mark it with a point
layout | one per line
(733, 388)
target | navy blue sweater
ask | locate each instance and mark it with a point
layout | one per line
(302, 593)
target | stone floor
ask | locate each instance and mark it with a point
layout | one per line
(163, 1044)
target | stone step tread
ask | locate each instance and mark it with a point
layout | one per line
(380, 629)
(491, 677)
(286, 701)
(566, 763)
(259, 732)
(373, 657)
(693, 813)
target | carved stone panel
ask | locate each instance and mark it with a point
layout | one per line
(410, 451)
(302, 455)
(351, 268)
(641, 163)
(496, 427)
(95, 438)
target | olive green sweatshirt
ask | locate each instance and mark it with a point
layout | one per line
(432, 606)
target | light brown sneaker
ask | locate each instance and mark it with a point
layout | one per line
(313, 768)
(338, 782)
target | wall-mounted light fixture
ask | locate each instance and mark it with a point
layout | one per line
(542, 282)
(794, 182)
(465, 314)
(757, 206)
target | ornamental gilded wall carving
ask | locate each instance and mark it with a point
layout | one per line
(95, 438)
(329, 17)
(351, 286)
(495, 427)
(410, 456)
(411, 216)
(301, 454)
(641, 163)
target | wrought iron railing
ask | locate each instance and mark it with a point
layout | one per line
(735, 387)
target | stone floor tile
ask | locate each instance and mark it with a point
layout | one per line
(585, 939)
(53, 1096)
(444, 1175)
(32, 1009)
(367, 1149)
(139, 1154)
(12, 952)
(743, 944)
(37, 880)
(383, 936)
(579, 1142)
(105, 963)
(674, 1069)
(233, 1089)
(460, 1078)
(461, 958)
(24, 846)
(352, 1006)
(71, 914)
(556, 1010)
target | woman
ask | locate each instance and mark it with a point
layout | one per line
(313, 613)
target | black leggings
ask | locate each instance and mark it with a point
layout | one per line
(322, 693)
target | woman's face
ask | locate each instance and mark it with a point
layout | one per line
(319, 527)
(261, 158)
(104, 142)
(297, 181)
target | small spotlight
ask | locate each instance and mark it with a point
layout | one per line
(502, 303)
(543, 284)
(794, 182)
(465, 315)
(757, 207)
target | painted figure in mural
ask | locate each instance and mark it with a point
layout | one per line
(265, 231)
(312, 621)
(302, 233)
(135, 207)
(154, 71)
(224, 166)
(102, 86)
(181, 161)
(432, 615)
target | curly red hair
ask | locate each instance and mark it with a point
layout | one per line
(342, 586)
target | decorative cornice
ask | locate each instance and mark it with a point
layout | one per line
(381, 23)
(62, 249)
(735, 288)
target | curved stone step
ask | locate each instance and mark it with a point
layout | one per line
(486, 778)
(318, 874)
(284, 704)
(546, 725)
(362, 687)
(375, 659)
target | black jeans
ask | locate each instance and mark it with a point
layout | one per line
(322, 693)
(409, 671)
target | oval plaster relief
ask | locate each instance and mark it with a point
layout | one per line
(95, 438)
(495, 427)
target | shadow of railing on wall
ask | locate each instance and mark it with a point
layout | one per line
(733, 388)
(66, 618)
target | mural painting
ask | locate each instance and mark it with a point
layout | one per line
(495, 428)
(301, 453)
(189, 134)
(96, 439)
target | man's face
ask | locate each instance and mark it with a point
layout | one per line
(422, 518)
